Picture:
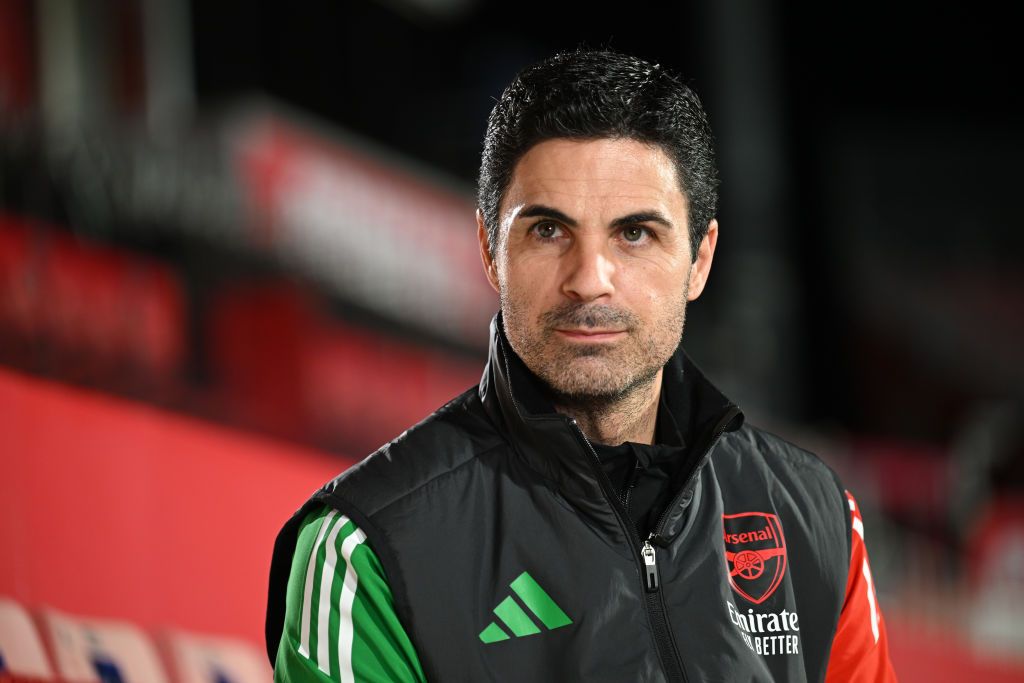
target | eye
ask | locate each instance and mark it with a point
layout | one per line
(546, 230)
(633, 233)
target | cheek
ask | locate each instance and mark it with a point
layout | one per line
(530, 278)
(516, 297)
(655, 284)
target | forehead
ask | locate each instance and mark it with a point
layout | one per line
(595, 176)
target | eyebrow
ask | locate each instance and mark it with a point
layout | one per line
(541, 211)
(642, 217)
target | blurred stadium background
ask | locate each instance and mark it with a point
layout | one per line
(237, 253)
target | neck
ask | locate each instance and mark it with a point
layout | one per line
(631, 417)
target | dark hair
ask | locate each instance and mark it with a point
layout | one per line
(593, 94)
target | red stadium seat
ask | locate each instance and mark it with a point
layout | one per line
(101, 650)
(22, 656)
(207, 659)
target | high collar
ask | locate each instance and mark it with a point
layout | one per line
(556, 448)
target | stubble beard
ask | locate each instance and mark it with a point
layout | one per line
(593, 377)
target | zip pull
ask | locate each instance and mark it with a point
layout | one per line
(650, 566)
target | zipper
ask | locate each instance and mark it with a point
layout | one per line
(671, 662)
(627, 490)
(650, 565)
(655, 598)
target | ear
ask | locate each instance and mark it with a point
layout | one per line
(485, 252)
(701, 267)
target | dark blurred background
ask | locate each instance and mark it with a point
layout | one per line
(261, 215)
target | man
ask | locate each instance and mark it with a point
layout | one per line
(595, 510)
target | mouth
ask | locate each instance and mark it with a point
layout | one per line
(590, 335)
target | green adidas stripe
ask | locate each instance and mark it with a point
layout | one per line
(352, 635)
(537, 599)
(333, 618)
(323, 618)
(517, 620)
(492, 634)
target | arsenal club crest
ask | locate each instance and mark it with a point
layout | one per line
(755, 551)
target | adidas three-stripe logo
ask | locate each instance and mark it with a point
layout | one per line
(517, 620)
(327, 616)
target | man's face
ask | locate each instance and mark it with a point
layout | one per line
(593, 264)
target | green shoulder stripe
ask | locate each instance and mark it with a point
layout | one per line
(340, 621)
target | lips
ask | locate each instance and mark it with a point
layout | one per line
(590, 335)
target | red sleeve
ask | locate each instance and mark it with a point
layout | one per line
(860, 650)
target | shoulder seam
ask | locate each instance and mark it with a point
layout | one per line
(434, 478)
(790, 450)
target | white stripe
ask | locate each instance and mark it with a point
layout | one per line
(852, 505)
(858, 526)
(307, 593)
(323, 660)
(871, 600)
(346, 630)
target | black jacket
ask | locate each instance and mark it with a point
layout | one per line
(742, 580)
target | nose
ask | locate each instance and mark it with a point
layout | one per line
(589, 270)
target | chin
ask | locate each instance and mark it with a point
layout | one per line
(583, 378)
